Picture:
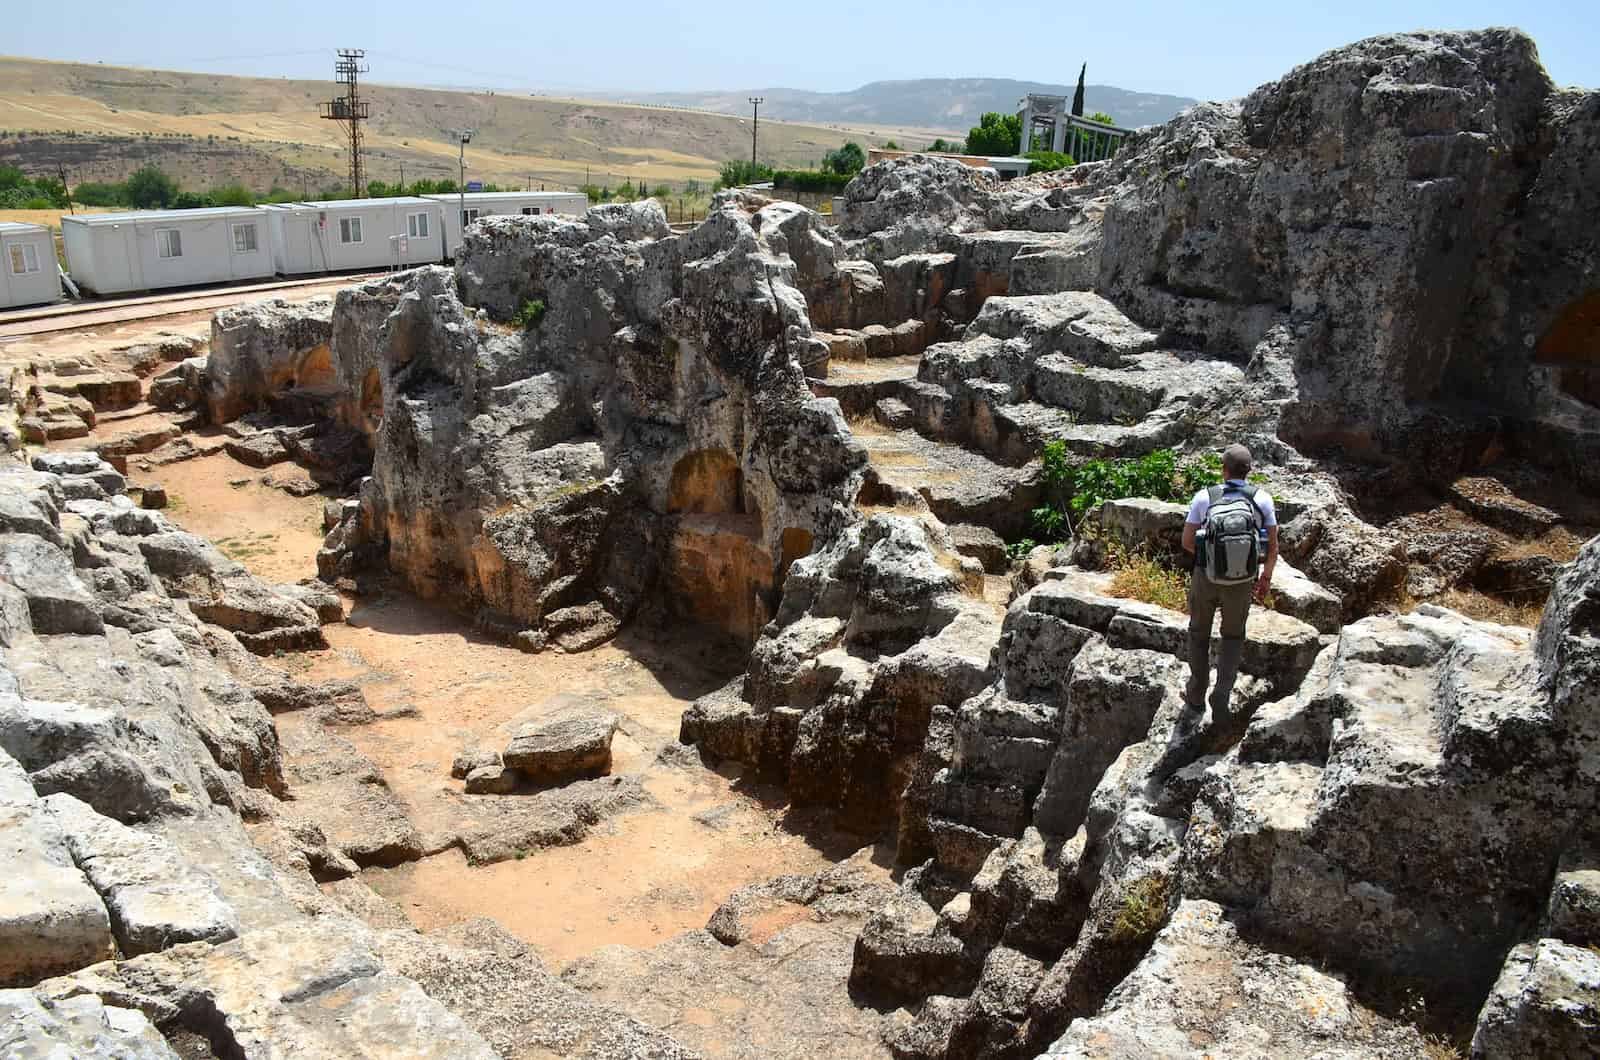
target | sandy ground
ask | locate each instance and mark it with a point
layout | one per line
(637, 879)
(277, 536)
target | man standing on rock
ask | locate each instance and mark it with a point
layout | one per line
(1232, 531)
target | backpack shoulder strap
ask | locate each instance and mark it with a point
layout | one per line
(1214, 494)
(1249, 492)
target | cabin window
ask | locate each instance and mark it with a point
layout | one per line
(24, 258)
(244, 239)
(417, 225)
(530, 211)
(349, 229)
(469, 216)
(169, 243)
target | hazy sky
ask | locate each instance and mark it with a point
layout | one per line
(1210, 49)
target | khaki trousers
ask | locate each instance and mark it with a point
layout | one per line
(1205, 600)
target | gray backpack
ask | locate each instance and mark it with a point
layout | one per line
(1231, 553)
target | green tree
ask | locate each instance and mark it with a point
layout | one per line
(847, 160)
(995, 134)
(101, 194)
(941, 144)
(150, 189)
(890, 145)
(233, 195)
(739, 172)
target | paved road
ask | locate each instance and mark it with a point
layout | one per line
(70, 316)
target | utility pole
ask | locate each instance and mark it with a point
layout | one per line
(465, 136)
(350, 109)
(755, 123)
(66, 189)
(402, 178)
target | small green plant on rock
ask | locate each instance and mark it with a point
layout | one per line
(1072, 492)
(1144, 910)
(529, 315)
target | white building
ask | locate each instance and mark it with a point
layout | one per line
(462, 210)
(145, 250)
(28, 274)
(343, 234)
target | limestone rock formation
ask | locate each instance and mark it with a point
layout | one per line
(261, 349)
(652, 431)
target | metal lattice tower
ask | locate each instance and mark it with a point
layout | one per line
(350, 109)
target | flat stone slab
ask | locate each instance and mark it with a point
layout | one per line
(561, 748)
(258, 450)
(51, 920)
(77, 1028)
(1202, 991)
(156, 898)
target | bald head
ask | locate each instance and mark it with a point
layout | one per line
(1236, 462)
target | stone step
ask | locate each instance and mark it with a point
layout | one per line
(859, 385)
(1016, 433)
(908, 337)
(957, 484)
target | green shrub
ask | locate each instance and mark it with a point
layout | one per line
(811, 180)
(1074, 491)
(21, 192)
(739, 172)
(529, 315)
(97, 194)
(1048, 161)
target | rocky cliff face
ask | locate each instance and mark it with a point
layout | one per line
(648, 440)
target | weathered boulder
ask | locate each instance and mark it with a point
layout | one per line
(565, 747)
(905, 205)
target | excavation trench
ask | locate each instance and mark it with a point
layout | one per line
(633, 893)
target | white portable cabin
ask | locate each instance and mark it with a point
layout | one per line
(28, 273)
(342, 234)
(145, 250)
(476, 204)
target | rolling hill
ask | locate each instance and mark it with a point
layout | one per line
(949, 104)
(102, 122)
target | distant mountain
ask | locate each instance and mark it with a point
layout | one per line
(943, 104)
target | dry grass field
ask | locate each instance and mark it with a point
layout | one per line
(101, 122)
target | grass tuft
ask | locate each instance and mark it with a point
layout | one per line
(1144, 910)
(1137, 575)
